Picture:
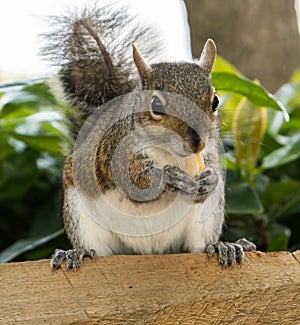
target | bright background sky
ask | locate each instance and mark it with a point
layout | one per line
(22, 21)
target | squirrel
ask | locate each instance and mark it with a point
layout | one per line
(127, 189)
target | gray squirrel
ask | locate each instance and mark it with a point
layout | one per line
(127, 185)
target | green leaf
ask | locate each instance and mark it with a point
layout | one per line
(287, 93)
(248, 139)
(25, 245)
(296, 76)
(241, 85)
(222, 65)
(17, 174)
(279, 237)
(42, 91)
(229, 104)
(291, 207)
(9, 85)
(5, 148)
(279, 193)
(35, 95)
(231, 162)
(283, 155)
(15, 112)
(241, 198)
(49, 143)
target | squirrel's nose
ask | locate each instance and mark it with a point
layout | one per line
(195, 143)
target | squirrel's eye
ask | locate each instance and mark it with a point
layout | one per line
(215, 103)
(157, 106)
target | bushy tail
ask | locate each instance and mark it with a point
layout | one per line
(93, 50)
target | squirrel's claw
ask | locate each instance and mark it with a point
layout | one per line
(57, 259)
(180, 180)
(201, 185)
(73, 257)
(207, 182)
(230, 253)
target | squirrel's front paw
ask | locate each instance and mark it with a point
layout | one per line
(73, 257)
(207, 182)
(229, 253)
(201, 185)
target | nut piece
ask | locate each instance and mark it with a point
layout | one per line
(194, 165)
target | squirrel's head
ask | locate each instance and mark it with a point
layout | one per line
(190, 81)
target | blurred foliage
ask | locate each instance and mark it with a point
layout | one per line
(33, 142)
(262, 156)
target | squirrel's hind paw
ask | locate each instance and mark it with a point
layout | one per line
(73, 257)
(229, 253)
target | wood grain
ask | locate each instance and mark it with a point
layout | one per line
(160, 289)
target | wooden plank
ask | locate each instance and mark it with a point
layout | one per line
(160, 289)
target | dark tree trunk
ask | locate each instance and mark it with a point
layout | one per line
(260, 37)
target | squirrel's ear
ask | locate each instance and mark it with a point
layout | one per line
(208, 56)
(140, 63)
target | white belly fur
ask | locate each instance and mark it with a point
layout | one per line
(191, 233)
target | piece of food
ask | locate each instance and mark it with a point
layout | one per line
(194, 165)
